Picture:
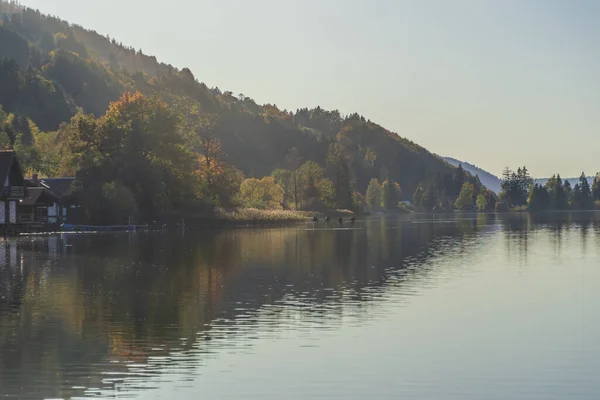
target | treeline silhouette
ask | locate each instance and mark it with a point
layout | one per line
(520, 191)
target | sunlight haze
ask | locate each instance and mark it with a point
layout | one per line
(494, 83)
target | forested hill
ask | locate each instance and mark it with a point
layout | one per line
(51, 71)
(490, 181)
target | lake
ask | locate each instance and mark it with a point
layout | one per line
(465, 307)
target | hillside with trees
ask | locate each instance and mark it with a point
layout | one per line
(146, 138)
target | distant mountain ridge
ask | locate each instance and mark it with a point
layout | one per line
(488, 179)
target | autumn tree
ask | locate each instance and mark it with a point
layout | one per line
(219, 180)
(206, 143)
(138, 145)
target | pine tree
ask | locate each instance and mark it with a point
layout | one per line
(587, 201)
(539, 198)
(596, 187)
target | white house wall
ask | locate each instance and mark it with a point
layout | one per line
(12, 212)
(52, 213)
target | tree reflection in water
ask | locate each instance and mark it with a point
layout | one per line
(79, 312)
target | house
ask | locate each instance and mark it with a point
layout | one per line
(49, 203)
(39, 207)
(68, 209)
(13, 190)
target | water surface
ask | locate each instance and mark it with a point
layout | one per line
(464, 307)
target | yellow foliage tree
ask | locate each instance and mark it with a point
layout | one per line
(262, 193)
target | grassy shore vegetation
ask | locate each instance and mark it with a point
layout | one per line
(262, 216)
(250, 215)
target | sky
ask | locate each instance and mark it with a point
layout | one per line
(493, 83)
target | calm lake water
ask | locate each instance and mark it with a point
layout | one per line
(469, 307)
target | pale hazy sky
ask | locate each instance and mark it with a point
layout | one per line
(495, 83)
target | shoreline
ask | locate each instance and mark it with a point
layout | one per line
(237, 220)
(247, 217)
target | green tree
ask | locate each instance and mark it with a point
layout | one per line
(465, 198)
(418, 196)
(576, 198)
(596, 187)
(516, 186)
(109, 203)
(373, 195)
(311, 173)
(317, 191)
(359, 201)
(489, 200)
(556, 191)
(294, 161)
(426, 196)
(539, 198)
(284, 179)
(48, 148)
(338, 163)
(481, 202)
(326, 193)
(582, 195)
(390, 195)
(587, 200)
(226, 183)
(29, 156)
(568, 189)
(261, 193)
